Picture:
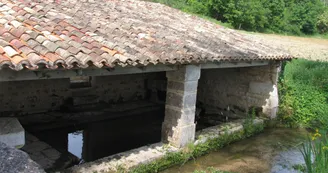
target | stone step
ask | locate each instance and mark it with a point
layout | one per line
(47, 156)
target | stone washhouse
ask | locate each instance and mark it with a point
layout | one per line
(58, 55)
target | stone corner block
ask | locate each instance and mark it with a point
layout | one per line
(11, 132)
(178, 136)
(185, 73)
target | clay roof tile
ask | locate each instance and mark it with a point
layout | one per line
(131, 32)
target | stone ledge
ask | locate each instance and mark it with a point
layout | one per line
(226, 128)
(129, 159)
(148, 154)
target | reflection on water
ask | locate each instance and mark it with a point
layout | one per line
(274, 150)
(95, 140)
(75, 143)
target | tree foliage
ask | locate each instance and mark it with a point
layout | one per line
(322, 23)
(280, 16)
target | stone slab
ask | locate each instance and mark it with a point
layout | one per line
(45, 155)
(125, 160)
(11, 132)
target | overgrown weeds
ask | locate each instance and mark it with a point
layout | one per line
(303, 90)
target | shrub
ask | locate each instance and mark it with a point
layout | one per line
(322, 23)
(197, 7)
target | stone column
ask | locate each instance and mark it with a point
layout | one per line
(179, 126)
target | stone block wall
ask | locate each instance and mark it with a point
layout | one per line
(34, 96)
(241, 88)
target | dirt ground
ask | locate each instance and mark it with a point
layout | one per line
(300, 47)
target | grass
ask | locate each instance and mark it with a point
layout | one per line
(315, 153)
(319, 36)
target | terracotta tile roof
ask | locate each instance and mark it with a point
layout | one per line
(82, 33)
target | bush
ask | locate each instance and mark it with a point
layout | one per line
(322, 23)
(304, 94)
(197, 7)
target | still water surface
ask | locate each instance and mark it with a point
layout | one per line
(273, 151)
(94, 140)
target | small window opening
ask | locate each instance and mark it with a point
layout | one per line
(80, 82)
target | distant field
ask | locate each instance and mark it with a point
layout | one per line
(300, 47)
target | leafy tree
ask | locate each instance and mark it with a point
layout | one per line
(248, 15)
(282, 16)
(276, 17)
(305, 14)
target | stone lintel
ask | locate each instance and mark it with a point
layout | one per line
(12, 132)
(11, 75)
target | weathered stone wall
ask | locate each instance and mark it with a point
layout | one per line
(122, 88)
(43, 95)
(34, 95)
(240, 87)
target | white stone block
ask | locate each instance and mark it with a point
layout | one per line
(272, 103)
(263, 88)
(185, 73)
(12, 132)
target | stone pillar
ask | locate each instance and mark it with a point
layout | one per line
(179, 126)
